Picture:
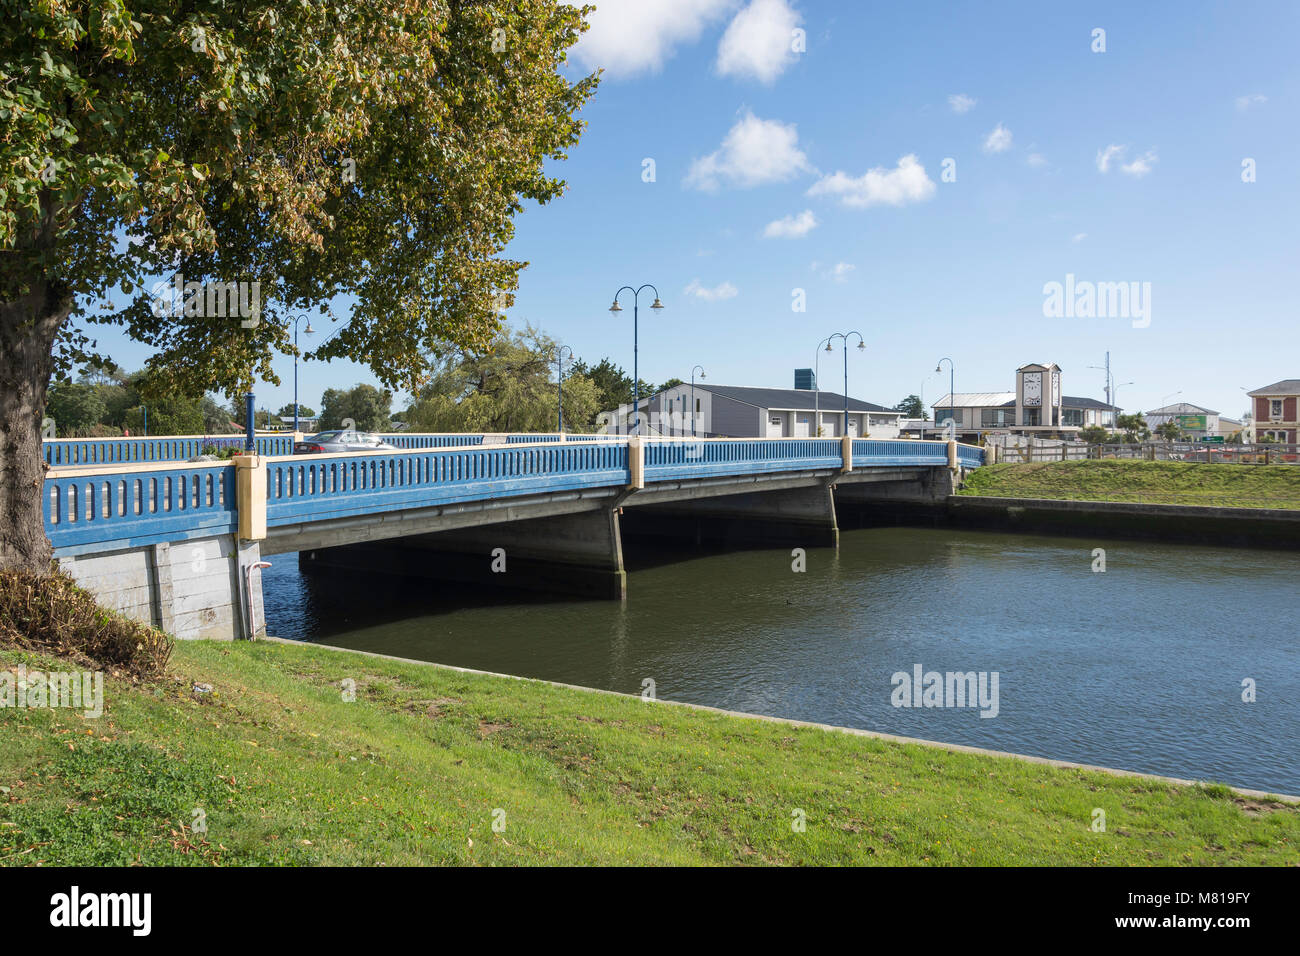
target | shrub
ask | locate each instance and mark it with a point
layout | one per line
(51, 614)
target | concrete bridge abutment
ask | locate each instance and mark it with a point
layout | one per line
(579, 553)
(802, 517)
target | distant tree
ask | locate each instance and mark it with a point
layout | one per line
(669, 384)
(911, 407)
(168, 415)
(369, 408)
(1094, 434)
(1169, 430)
(304, 411)
(216, 418)
(509, 388)
(74, 407)
(613, 385)
(1132, 428)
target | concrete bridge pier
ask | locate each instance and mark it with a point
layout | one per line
(799, 516)
(579, 553)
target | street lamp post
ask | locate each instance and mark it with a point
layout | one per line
(636, 377)
(817, 385)
(307, 331)
(952, 389)
(701, 370)
(559, 371)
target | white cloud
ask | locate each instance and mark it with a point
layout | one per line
(1246, 102)
(1114, 153)
(961, 103)
(905, 183)
(724, 291)
(1104, 156)
(791, 227)
(840, 271)
(1140, 166)
(998, 141)
(1037, 160)
(628, 37)
(759, 42)
(1079, 237)
(755, 151)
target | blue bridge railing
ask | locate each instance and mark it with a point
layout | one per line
(137, 507)
(333, 486)
(112, 504)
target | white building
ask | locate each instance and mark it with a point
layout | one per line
(739, 411)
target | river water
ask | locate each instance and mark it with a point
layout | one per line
(1139, 667)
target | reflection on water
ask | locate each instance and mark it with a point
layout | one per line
(1140, 667)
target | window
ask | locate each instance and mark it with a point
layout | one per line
(941, 414)
(1072, 416)
(1033, 416)
(697, 405)
(1275, 409)
(997, 417)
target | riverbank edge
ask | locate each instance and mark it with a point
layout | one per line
(1273, 528)
(814, 725)
(1199, 524)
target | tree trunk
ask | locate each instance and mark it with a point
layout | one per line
(28, 327)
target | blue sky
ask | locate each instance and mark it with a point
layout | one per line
(1122, 165)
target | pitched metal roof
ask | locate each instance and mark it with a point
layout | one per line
(1288, 386)
(1182, 408)
(791, 398)
(976, 400)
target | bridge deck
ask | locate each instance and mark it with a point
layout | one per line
(107, 502)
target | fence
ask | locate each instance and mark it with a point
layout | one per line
(1209, 452)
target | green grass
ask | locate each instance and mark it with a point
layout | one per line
(1153, 482)
(412, 771)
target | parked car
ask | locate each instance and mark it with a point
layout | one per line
(330, 442)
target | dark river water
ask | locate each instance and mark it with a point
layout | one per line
(1140, 667)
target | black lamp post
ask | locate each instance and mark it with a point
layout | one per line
(636, 377)
(307, 331)
(952, 395)
(559, 365)
(862, 346)
(701, 370)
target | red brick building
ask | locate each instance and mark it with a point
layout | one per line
(1275, 410)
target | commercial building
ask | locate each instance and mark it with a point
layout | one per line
(1274, 413)
(1037, 408)
(1194, 421)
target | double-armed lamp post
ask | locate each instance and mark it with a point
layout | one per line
(559, 366)
(636, 378)
(817, 385)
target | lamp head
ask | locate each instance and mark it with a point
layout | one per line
(828, 346)
(616, 307)
(657, 305)
(862, 346)
(938, 368)
(309, 330)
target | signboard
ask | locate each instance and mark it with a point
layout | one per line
(1191, 422)
(1216, 439)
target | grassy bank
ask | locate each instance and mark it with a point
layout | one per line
(1154, 482)
(411, 772)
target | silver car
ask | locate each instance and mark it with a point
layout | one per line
(326, 443)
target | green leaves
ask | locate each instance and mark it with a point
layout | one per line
(223, 151)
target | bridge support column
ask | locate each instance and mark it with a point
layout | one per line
(803, 517)
(579, 553)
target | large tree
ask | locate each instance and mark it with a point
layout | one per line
(509, 387)
(271, 156)
(369, 409)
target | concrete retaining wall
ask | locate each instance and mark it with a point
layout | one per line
(191, 589)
